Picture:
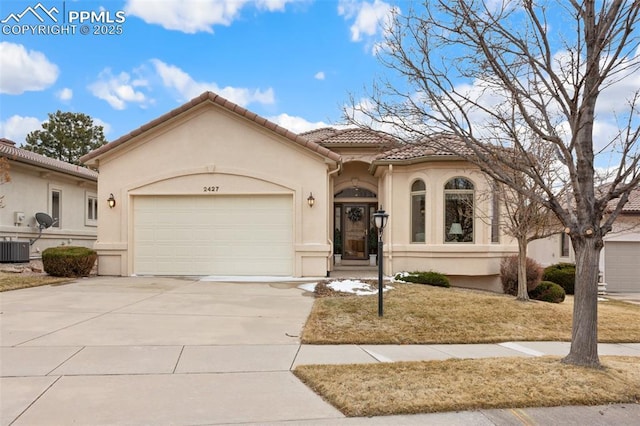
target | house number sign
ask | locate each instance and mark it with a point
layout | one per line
(211, 188)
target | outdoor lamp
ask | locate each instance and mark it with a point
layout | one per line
(111, 201)
(380, 219)
(310, 200)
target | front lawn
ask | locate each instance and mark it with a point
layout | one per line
(421, 314)
(11, 281)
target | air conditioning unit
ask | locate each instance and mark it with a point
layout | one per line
(14, 251)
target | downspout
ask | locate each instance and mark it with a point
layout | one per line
(330, 214)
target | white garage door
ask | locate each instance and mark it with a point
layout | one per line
(622, 266)
(213, 235)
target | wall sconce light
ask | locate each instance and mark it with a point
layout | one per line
(310, 200)
(111, 201)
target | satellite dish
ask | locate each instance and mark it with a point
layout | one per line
(44, 220)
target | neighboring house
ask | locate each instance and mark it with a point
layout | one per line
(620, 257)
(211, 188)
(66, 192)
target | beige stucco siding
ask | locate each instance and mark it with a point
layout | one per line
(480, 258)
(209, 152)
(28, 192)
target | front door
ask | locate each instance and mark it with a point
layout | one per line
(356, 231)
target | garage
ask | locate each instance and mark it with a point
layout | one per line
(213, 235)
(622, 269)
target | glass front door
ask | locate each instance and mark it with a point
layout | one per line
(355, 231)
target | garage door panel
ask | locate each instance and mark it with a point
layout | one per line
(221, 235)
(622, 268)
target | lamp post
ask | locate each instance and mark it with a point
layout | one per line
(380, 219)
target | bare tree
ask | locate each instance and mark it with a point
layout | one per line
(497, 73)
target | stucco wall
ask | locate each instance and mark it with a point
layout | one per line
(212, 147)
(478, 259)
(28, 192)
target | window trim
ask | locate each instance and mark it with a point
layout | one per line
(412, 194)
(52, 190)
(565, 242)
(89, 221)
(471, 192)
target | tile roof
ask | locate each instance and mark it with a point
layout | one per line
(318, 134)
(436, 145)
(9, 150)
(218, 100)
(633, 203)
(329, 137)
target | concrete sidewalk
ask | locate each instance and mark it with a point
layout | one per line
(179, 351)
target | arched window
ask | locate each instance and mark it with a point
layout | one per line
(418, 197)
(458, 210)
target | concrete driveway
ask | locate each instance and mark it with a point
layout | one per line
(153, 351)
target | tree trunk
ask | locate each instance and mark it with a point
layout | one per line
(523, 290)
(584, 333)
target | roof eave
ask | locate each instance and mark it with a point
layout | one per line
(93, 156)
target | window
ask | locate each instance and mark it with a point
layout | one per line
(458, 211)
(418, 196)
(91, 212)
(495, 216)
(56, 206)
(564, 245)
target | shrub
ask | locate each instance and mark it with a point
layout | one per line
(430, 278)
(547, 291)
(68, 261)
(563, 274)
(509, 274)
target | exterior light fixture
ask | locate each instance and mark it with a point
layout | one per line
(380, 219)
(310, 200)
(111, 201)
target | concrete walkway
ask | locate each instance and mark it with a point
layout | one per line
(161, 351)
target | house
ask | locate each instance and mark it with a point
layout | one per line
(211, 188)
(619, 265)
(65, 192)
(620, 257)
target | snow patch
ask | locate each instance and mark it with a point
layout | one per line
(356, 287)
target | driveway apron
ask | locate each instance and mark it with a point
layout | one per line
(145, 350)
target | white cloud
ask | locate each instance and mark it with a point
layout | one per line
(193, 16)
(16, 128)
(296, 124)
(319, 75)
(188, 88)
(118, 90)
(65, 94)
(370, 19)
(24, 70)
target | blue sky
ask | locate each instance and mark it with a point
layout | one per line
(294, 62)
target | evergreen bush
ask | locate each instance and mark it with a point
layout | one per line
(429, 277)
(68, 261)
(547, 291)
(563, 274)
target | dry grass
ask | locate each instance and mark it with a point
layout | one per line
(11, 281)
(464, 384)
(419, 314)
